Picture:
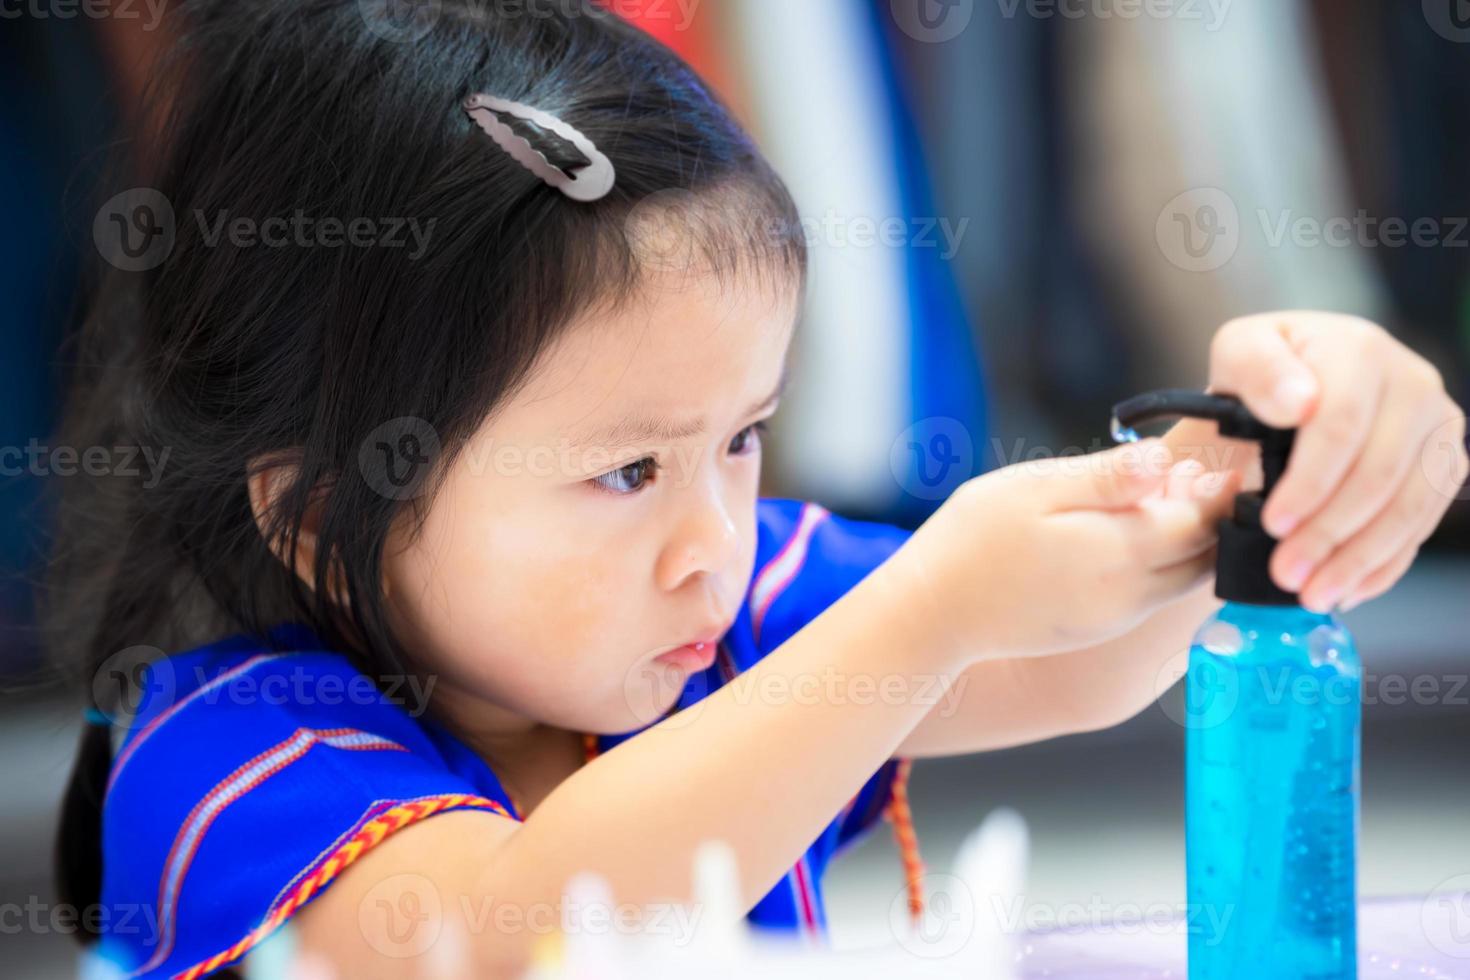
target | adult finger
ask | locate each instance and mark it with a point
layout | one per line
(1382, 471)
(1334, 435)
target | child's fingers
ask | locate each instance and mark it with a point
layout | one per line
(1216, 492)
(1118, 477)
(1180, 485)
(1168, 531)
(1170, 582)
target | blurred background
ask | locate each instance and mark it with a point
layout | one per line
(1019, 213)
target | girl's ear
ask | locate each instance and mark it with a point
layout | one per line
(267, 481)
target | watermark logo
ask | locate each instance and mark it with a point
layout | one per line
(405, 916)
(837, 230)
(1443, 460)
(128, 679)
(399, 21)
(666, 228)
(932, 457)
(38, 917)
(134, 231)
(932, 21)
(37, 459)
(1211, 13)
(1445, 917)
(1211, 690)
(302, 230)
(401, 916)
(1199, 230)
(653, 689)
(1450, 19)
(396, 458)
(946, 924)
(90, 9)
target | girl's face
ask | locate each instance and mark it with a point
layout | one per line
(604, 515)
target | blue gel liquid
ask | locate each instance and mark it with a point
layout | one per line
(1272, 715)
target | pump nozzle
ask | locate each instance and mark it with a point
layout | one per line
(1242, 568)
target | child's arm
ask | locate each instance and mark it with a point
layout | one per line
(767, 773)
(1379, 457)
(763, 774)
(997, 704)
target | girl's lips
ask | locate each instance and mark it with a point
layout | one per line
(692, 657)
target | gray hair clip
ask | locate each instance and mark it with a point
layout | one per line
(591, 182)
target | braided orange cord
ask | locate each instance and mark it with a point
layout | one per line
(897, 812)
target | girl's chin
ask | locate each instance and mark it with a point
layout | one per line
(653, 687)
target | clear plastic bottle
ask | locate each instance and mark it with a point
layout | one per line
(1273, 717)
(1273, 714)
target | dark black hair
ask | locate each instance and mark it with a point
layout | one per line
(227, 351)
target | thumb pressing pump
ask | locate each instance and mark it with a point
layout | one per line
(1272, 718)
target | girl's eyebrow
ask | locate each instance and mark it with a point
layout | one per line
(661, 428)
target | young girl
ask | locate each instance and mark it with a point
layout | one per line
(463, 523)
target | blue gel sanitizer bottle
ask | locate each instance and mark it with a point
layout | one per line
(1272, 745)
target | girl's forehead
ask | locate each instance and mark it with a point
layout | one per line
(680, 341)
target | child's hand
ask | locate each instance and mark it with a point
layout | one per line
(1061, 553)
(1378, 457)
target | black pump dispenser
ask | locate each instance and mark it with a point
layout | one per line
(1242, 567)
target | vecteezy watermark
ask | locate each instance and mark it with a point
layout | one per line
(1152, 459)
(405, 916)
(1215, 457)
(1443, 460)
(932, 457)
(149, 11)
(835, 230)
(1211, 13)
(399, 21)
(1198, 230)
(1445, 916)
(298, 686)
(134, 230)
(37, 917)
(650, 688)
(1216, 688)
(397, 457)
(1204, 920)
(666, 228)
(1201, 230)
(673, 229)
(932, 21)
(656, 691)
(130, 677)
(137, 230)
(405, 21)
(142, 674)
(1450, 19)
(1361, 230)
(302, 230)
(948, 920)
(35, 459)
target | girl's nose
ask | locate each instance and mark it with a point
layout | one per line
(705, 539)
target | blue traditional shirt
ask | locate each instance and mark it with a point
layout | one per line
(233, 800)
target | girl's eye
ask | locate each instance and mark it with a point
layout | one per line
(636, 473)
(629, 479)
(746, 435)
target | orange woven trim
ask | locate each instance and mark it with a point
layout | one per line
(372, 833)
(898, 813)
